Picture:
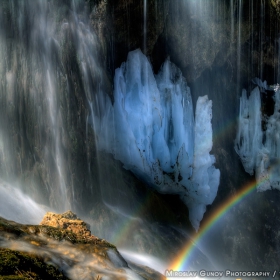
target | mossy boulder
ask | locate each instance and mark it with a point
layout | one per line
(62, 252)
(68, 221)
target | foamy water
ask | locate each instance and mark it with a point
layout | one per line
(17, 206)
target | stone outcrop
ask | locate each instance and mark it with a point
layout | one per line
(68, 221)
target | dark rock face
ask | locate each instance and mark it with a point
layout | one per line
(276, 6)
(120, 27)
(247, 235)
(133, 216)
(197, 34)
(242, 39)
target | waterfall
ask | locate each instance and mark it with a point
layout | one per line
(31, 120)
(239, 51)
(48, 57)
(18, 207)
(145, 27)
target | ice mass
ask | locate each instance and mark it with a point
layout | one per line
(257, 142)
(152, 130)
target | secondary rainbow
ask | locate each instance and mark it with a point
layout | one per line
(179, 263)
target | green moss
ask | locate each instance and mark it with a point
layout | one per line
(18, 265)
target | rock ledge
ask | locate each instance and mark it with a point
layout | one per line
(69, 221)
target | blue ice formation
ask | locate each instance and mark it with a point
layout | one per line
(151, 129)
(261, 84)
(258, 148)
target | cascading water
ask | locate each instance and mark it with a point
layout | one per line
(31, 121)
(145, 27)
(18, 207)
(239, 53)
(48, 55)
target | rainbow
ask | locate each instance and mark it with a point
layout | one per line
(125, 227)
(180, 262)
